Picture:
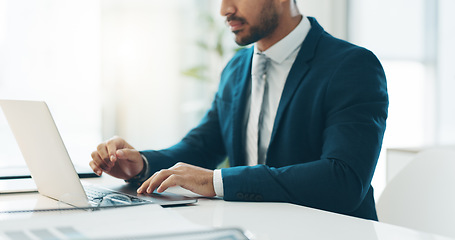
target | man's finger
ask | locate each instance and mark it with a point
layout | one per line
(112, 146)
(102, 150)
(103, 155)
(96, 169)
(157, 179)
(171, 181)
(145, 184)
(100, 163)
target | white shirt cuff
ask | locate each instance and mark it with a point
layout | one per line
(218, 183)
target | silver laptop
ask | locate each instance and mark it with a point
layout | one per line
(52, 169)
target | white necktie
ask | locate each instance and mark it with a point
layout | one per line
(258, 91)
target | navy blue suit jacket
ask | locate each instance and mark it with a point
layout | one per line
(326, 137)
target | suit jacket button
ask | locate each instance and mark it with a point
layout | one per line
(258, 198)
(240, 196)
(252, 197)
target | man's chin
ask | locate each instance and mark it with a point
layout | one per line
(242, 41)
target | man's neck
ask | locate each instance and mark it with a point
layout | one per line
(283, 29)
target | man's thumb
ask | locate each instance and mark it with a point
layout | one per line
(128, 154)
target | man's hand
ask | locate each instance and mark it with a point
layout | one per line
(196, 179)
(117, 158)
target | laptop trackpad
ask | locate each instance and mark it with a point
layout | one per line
(163, 199)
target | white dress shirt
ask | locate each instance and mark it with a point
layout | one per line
(282, 55)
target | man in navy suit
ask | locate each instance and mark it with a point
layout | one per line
(312, 137)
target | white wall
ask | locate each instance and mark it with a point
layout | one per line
(49, 50)
(145, 47)
(331, 14)
(140, 70)
(445, 125)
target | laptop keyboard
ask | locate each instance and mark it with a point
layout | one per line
(98, 196)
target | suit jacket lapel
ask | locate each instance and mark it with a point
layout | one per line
(298, 71)
(241, 93)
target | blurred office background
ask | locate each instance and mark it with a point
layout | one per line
(147, 70)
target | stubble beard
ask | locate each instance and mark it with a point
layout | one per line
(268, 22)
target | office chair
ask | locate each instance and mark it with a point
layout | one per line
(422, 195)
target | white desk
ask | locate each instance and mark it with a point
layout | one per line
(262, 220)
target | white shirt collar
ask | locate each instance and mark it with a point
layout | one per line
(281, 50)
